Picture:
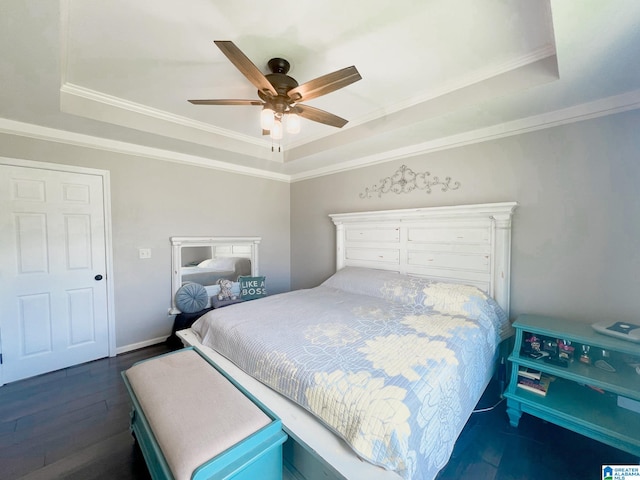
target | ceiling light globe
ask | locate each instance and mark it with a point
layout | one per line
(276, 130)
(266, 118)
(293, 123)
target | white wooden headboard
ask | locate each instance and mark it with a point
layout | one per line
(468, 244)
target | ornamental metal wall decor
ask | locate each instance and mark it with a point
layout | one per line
(406, 180)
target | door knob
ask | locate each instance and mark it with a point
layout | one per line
(98, 277)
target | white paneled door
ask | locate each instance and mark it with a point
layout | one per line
(53, 289)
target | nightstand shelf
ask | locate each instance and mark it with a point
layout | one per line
(569, 401)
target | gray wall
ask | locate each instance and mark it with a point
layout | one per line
(153, 200)
(576, 233)
(575, 238)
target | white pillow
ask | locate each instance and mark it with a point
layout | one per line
(206, 263)
(222, 264)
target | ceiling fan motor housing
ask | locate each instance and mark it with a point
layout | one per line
(282, 83)
(279, 65)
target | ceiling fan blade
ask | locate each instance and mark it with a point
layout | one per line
(246, 67)
(226, 102)
(320, 116)
(326, 84)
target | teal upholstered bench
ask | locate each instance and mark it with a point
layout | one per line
(192, 422)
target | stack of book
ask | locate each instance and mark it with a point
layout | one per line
(533, 380)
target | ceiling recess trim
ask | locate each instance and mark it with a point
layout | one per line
(87, 103)
(103, 98)
(38, 132)
(477, 77)
(599, 108)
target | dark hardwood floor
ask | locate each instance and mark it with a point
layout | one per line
(73, 424)
(490, 449)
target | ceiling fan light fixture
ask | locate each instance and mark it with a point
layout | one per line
(266, 118)
(293, 123)
(276, 130)
(280, 95)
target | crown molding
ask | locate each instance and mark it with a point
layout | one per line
(475, 78)
(117, 102)
(38, 132)
(479, 76)
(598, 108)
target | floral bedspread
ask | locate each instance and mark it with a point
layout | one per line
(393, 364)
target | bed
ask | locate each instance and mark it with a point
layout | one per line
(382, 364)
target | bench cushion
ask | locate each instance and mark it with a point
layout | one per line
(193, 410)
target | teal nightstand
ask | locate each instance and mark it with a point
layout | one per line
(582, 397)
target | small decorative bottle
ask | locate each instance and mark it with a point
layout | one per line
(584, 357)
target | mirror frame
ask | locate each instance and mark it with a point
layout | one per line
(177, 243)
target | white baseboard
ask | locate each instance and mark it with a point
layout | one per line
(136, 346)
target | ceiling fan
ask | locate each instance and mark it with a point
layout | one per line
(280, 94)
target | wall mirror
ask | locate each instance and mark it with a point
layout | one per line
(205, 260)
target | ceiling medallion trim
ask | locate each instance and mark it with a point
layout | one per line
(405, 180)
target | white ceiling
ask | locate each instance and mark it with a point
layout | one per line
(117, 74)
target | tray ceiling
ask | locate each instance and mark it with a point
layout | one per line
(433, 73)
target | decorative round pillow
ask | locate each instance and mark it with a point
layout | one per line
(191, 298)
